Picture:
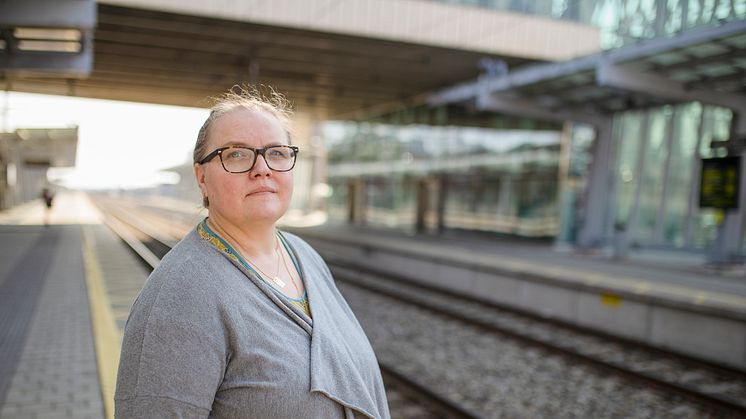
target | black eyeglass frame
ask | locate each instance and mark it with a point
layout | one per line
(257, 152)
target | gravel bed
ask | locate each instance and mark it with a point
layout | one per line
(648, 362)
(499, 377)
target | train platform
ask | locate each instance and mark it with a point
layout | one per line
(666, 275)
(66, 285)
(672, 301)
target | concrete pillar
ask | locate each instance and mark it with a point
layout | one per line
(441, 207)
(356, 201)
(592, 233)
(421, 205)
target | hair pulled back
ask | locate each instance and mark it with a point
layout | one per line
(262, 99)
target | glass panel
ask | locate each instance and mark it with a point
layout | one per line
(626, 22)
(391, 202)
(336, 203)
(683, 148)
(628, 136)
(483, 168)
(582, 141)
(652, 175)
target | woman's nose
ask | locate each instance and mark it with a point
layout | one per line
(260, 167)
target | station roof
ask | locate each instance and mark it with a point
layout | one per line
(54, 147)
(161, 57)
(707, 65)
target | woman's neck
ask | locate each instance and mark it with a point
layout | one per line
(257, 240)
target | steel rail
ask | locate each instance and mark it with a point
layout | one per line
(719, 404)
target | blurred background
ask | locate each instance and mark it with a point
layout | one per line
(500, 145)
(578, 152)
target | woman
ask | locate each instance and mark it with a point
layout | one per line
(240, 320)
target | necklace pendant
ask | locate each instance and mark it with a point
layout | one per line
(278, 281)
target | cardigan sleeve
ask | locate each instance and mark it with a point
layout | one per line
(174, 352)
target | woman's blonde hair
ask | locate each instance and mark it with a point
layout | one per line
(262, 98)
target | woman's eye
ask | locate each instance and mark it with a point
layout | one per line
(237, 154)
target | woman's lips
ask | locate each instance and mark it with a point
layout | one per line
(261, 191)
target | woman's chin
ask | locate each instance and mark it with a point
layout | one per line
(270, 213)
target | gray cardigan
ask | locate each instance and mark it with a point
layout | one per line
(207, 338)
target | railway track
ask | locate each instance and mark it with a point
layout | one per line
(721, 389)
(407, 397)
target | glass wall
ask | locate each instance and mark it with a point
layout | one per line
(489, 179)
(628, 130)
(624, 22)
(657, 173)
(390, 202)
(653, 175)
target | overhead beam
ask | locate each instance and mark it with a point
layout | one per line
(30, 64)
(621, 77)
(532, 109)
(523, 77)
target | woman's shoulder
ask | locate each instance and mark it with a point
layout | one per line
(189, 271)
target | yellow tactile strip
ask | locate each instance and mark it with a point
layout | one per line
(107, 337)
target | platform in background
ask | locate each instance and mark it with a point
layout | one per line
(49, 302)
(673, 305)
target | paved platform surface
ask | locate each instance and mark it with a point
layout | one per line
(66, 284)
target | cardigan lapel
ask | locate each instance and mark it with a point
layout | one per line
(343, 365)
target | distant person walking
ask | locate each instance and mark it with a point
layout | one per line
(48, 198)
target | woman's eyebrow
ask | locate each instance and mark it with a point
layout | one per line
(234, 143)
(240, 144)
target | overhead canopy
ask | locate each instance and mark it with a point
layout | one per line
(707, 65)
(160, 57)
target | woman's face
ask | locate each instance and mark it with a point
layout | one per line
(259, 195)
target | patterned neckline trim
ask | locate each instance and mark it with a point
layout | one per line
(207, 234)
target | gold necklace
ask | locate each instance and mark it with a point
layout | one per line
(276, 278)
(292, 279)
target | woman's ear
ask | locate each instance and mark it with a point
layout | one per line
(199, 174)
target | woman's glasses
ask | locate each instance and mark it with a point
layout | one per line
(238, 159)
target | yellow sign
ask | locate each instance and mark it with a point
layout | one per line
(611, 300)
(719, 183)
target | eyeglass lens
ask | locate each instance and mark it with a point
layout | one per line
(278, 158)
